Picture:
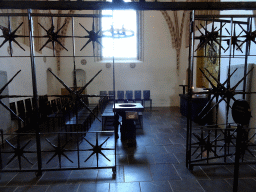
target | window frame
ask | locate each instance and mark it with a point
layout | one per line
(140, 43)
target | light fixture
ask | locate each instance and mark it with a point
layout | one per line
(118, 33)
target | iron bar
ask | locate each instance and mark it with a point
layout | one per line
(35, 95)
(236, 167)
(247, 53)
(93, 5)
(62, 169)
(229, 64)
(209, 17)
(53, 15)
(190, 82)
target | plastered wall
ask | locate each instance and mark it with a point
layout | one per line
(157, 72)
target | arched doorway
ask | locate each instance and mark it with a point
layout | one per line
(81, 78)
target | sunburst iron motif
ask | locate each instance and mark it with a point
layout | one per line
(249, 37)
(8, 96)
(10, 36)
(205, 144)
(234, 41)
(97, 149)
(58, 150)
(53, 36)
(208, 38)
(226, 93)
(76, 95)
(93, 37)
(19, 152)
(228, 138)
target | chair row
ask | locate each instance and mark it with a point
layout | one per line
(47, 109)
(128, 96)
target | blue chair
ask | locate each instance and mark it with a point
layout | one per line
(103, 93)
(13, 108)
(120, 96)
(111, 98)
(103, 100)
(146, 97)
(137, 96)
(129, 96)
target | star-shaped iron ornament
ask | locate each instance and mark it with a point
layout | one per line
(249, 37)
(19, 152)
(205, 144)
(9, 96)
(97, 149)
(10, 36)
(76, 95)
(209, 37)
(93, 37)
(226, 93)
(234, 41)
(216, 91)
(53, 36)
(228, 138)
(58, 150)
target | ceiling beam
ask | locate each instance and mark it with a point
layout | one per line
(93, 5)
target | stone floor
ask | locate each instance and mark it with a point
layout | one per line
(156, 163)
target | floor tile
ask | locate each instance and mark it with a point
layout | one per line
(33, 188)
(186, 185)
(24, 178)
(95, 187)
(125, 187)
(155, 149)
(164, 172)
(83, 176)
(244, 185)
(185, 173)
(217, 172)
(165, 158)
(8, 189)
(5, 178)
(53, 177)
(244, 170)
(141, 159)
(137, 173)
(162, 186)
(181, 156)
(107, 175)
(162, 141)
(217, 185)
(63, 188)
(122, 159)
(175, 148)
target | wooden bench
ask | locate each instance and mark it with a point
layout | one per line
(79, 122)
(107, 120)
(108, 117)
(67, 118)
